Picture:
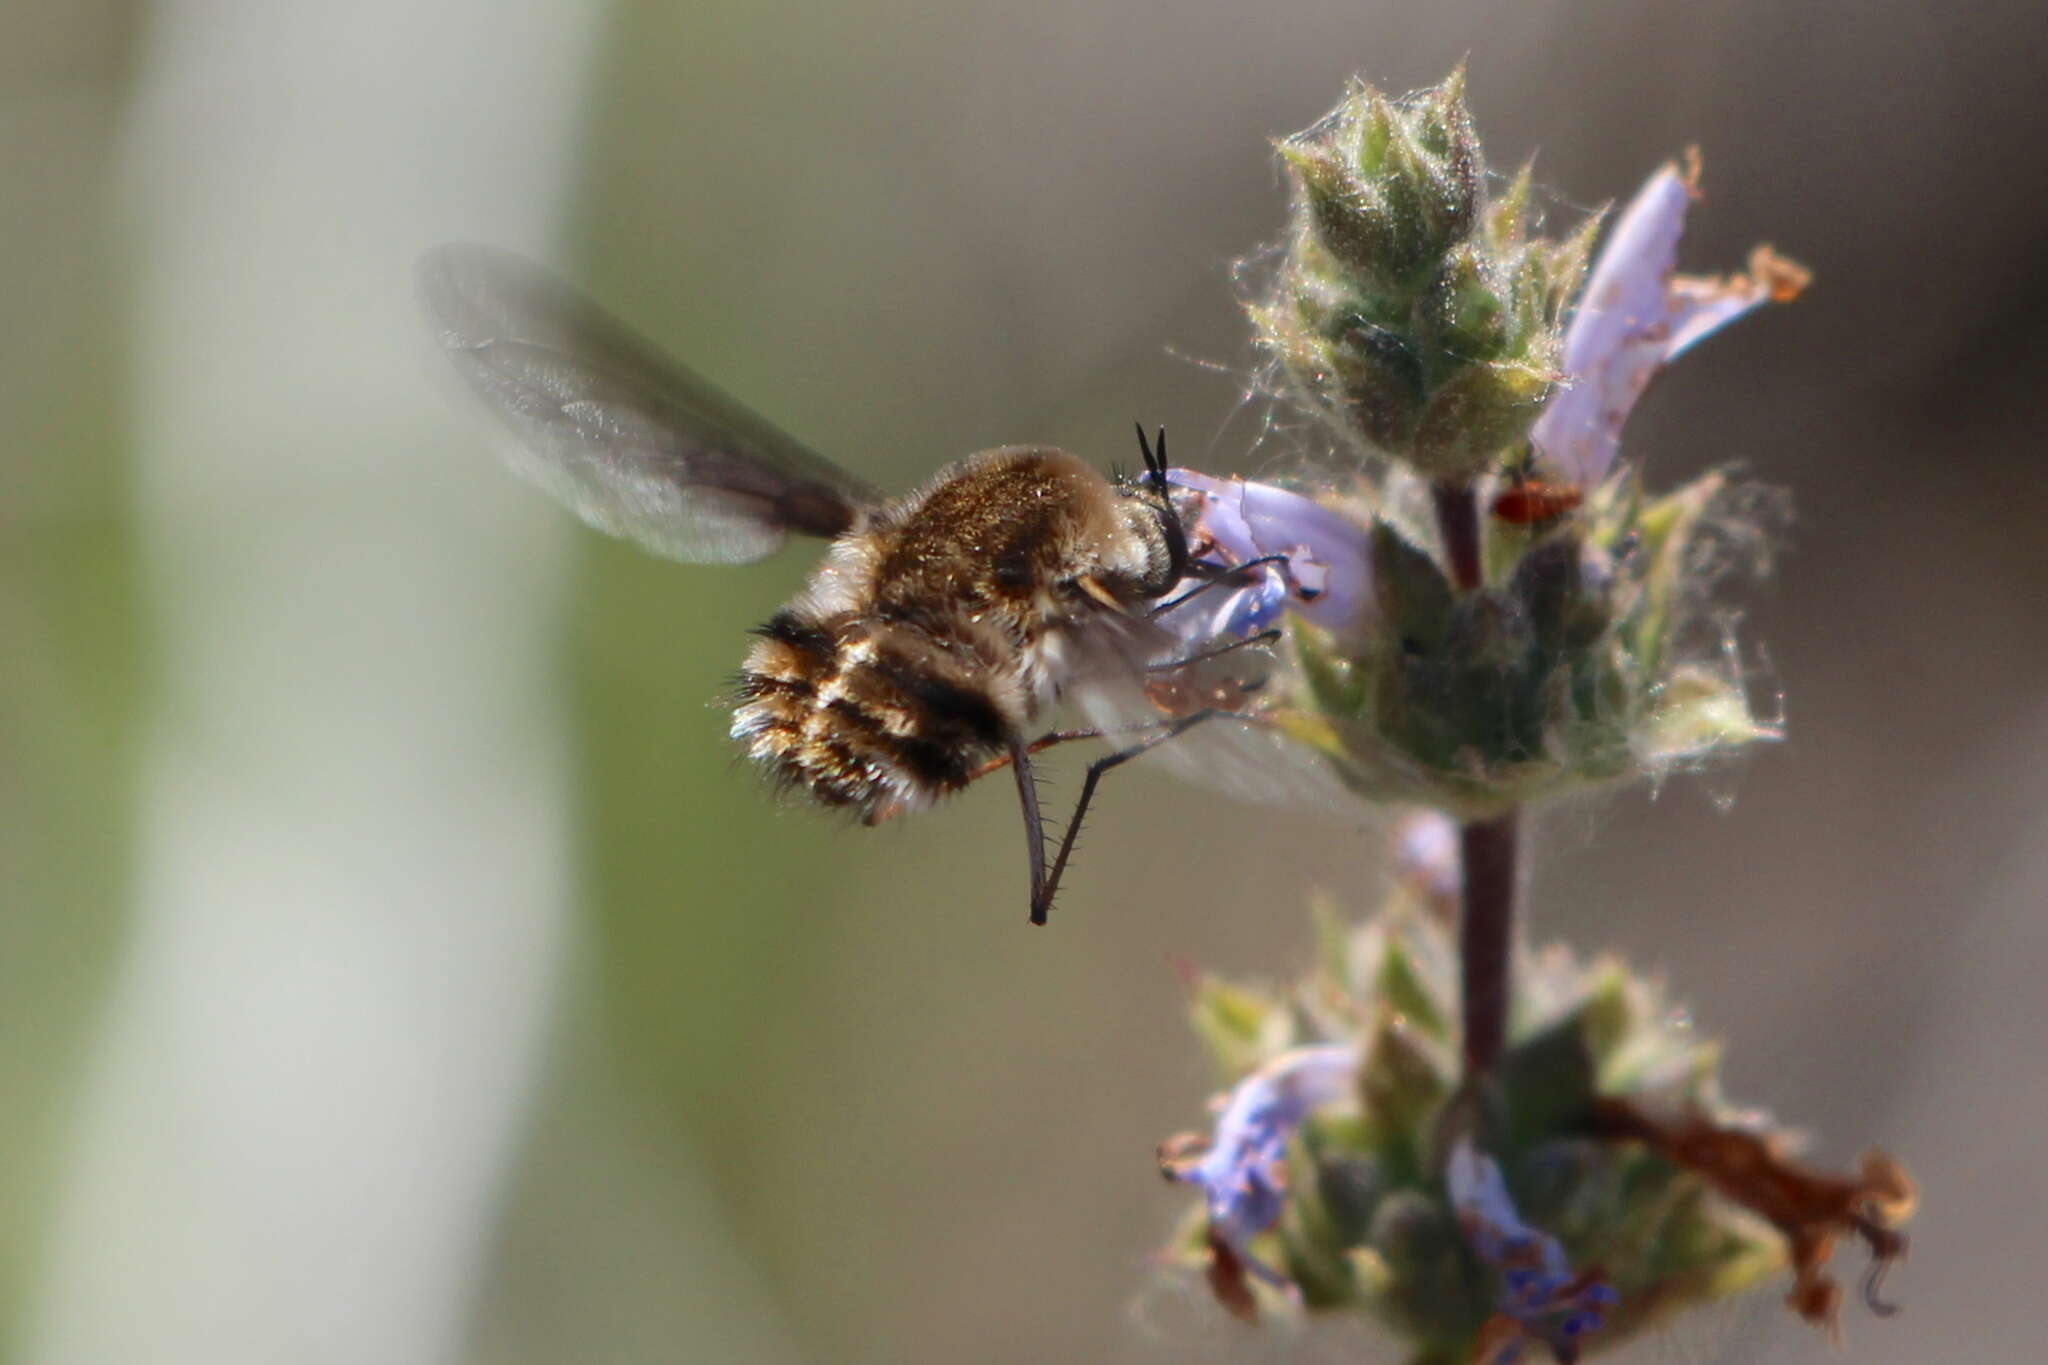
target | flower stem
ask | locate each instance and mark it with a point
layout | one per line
(1486, 848)
(1457, 520)
(1487, 851)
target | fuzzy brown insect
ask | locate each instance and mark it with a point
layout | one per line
(945, 623)
(941, 624)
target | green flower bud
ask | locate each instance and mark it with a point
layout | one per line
(1379, 384)
(1466, 315)
(1477, 414)
(1409, 313)
(1348, 219)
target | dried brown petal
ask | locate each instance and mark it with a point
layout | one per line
(1811, 1208)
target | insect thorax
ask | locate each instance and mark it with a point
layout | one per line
(1010, 532)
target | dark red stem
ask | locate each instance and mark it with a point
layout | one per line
(1457, 520)
(1487, 851)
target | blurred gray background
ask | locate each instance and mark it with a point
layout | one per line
(396, 966)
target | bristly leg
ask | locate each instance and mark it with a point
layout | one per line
(1043, 890)
(1017, 757)
(1053, 738)
(1264, 637)
(1218, 576)
(1034, 822)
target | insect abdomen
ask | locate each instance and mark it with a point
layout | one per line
(864, 713)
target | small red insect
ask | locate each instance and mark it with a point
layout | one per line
(1532, 502)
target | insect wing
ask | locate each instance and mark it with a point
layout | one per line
(1195, 652)
(626, 438)
(1138, 675)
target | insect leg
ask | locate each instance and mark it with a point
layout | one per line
(1213, 577)
(1018, 759)
(1005, 759)
(1264, 637)
(1042, 892)
(1054, 737)
(1034, 823)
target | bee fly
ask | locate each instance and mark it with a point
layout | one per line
(941, 625)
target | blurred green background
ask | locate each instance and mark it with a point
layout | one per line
(398, 967)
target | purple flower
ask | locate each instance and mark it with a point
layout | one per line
(1635, 316)
(1242, 1170)
(1323, 572)
(1542, 1297)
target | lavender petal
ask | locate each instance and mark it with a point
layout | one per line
(1634, 318)
(1241, 1173)
(1326, 576)
(1540, 1291)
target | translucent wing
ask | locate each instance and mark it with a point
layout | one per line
(1296, 555)
(629, 440)
(1133, 674)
